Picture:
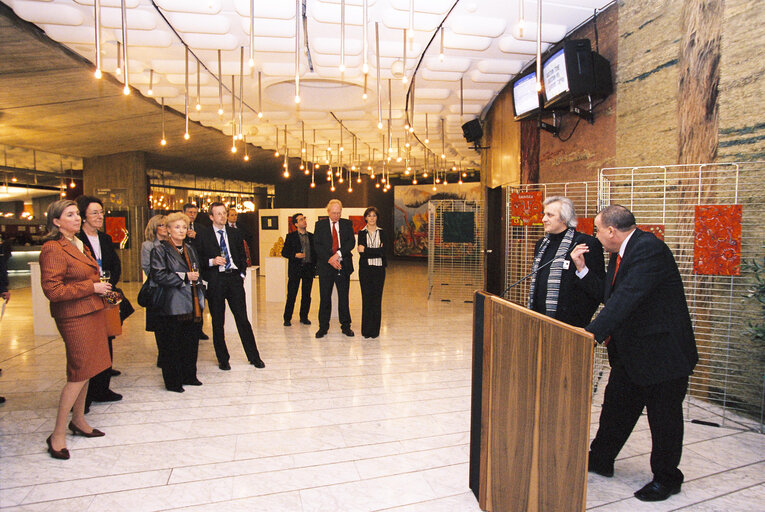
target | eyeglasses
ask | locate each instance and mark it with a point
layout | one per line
(97, 212)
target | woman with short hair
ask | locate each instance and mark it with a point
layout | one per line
(372, 263)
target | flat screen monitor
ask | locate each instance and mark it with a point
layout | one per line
(574, 71)
(526, 96)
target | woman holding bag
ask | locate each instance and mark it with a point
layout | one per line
(175, 268)
(70, 280)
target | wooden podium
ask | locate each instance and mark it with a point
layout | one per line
(530, 416)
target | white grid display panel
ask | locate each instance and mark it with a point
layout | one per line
(455, 269)
(730, 372)
(520, 246)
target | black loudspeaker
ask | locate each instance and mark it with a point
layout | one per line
(472, 131)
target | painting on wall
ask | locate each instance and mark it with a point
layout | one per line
(586, 225)
(526, 208)
(291, 225)
(269, 222)
(656, 229)
(358, 223)
(717, 240)
(116, 226)
(410, 213)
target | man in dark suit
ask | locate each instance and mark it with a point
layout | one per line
(101, 247)
(233, 217)
(334, 241)
(300, 251)
(647, 329)
(555, 289)
(224, 266)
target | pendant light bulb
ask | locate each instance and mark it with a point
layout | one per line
(246, 158)
(220, 111)
(251, 63)
(260, 115)
(313, 185)
(186, 136)
(198, 106)
(126, 90)
(332, 188)
(163, 142)
(98, 73)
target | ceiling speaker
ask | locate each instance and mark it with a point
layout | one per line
(472, 131)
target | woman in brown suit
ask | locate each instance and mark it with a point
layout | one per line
(70, 280)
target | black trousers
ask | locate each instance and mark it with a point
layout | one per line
(99, 383)
(179, 346)
(230, 287)
(328, 278)
(622, 405)
(304, 276)
(371, 280)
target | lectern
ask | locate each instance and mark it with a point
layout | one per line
(530, 413)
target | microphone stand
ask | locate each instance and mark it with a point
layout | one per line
(519, 281)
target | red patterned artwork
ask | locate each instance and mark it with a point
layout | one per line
(290, 225)
(585, 225)
(656, 229)
(358, 222)
(526, 208)
(717, 240)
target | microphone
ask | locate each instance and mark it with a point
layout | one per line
(540, 267)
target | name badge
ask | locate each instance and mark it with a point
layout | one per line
(566, 264)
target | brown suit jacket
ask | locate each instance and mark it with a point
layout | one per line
(67, 277)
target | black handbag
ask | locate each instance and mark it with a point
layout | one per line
(151, 297)
(126, 308)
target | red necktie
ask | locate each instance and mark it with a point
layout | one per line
(335, 238)
(618, 262)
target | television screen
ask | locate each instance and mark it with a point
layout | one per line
(525, 95)
(555, 77)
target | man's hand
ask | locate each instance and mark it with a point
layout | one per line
(360, 248)
(219, 260)
(300, 255)
(6, 296)
(577, 256)
(192, 276)
(191, 233)
(335, 261)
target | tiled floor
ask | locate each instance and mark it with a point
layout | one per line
(330, 425)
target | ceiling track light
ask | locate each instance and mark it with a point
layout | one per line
(252, 34)
(297, 51)
(377, 56)
(98, 38)
(342, 36)
(186, 95)
(126, 89)
(220, 85)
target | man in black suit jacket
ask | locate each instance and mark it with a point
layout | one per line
(555, 289)
(101, 247)
(223, 267)
(300, 251)
(334, 242)
(647, 329)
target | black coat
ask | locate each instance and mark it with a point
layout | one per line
(645, 313)
(209, 249)
(291, 247)
(322, 236)
(577, 302)
(109, 259)
(369, 252)
(166, 262)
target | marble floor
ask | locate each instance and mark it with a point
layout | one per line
(336, 424)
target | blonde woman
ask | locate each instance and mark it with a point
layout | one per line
(70, 280)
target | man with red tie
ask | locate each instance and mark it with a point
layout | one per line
(334, 241)
(647, 329)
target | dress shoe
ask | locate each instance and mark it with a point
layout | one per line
(321, 333)
(224, 366)
(203, 336)
(175, 389)
(109, 396)
(258, 363)
(592, 467)
(287, 323)
(305, 321)
(194, 382)
(114, 372)
(656, 491)
(79, 432)
(348, 332)
(62, 454)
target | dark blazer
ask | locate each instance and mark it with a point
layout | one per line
(322, 236)
(292, 246)
(577, 302)
(109, 259)
(209, 248)
(369, 252)
(645, 313)
(165, 262)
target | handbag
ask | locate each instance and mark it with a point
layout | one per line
(151, 296)
(113, 323)
(126, 308)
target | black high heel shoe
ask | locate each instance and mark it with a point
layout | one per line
(62, 454)
(78, 431)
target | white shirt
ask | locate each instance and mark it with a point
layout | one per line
(336, 225)
(222, 268)
(96, 245)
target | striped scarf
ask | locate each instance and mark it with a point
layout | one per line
(556, 271)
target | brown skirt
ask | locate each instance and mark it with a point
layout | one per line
(87, 348)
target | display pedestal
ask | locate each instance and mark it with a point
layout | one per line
(44, 325)
(276, 279)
